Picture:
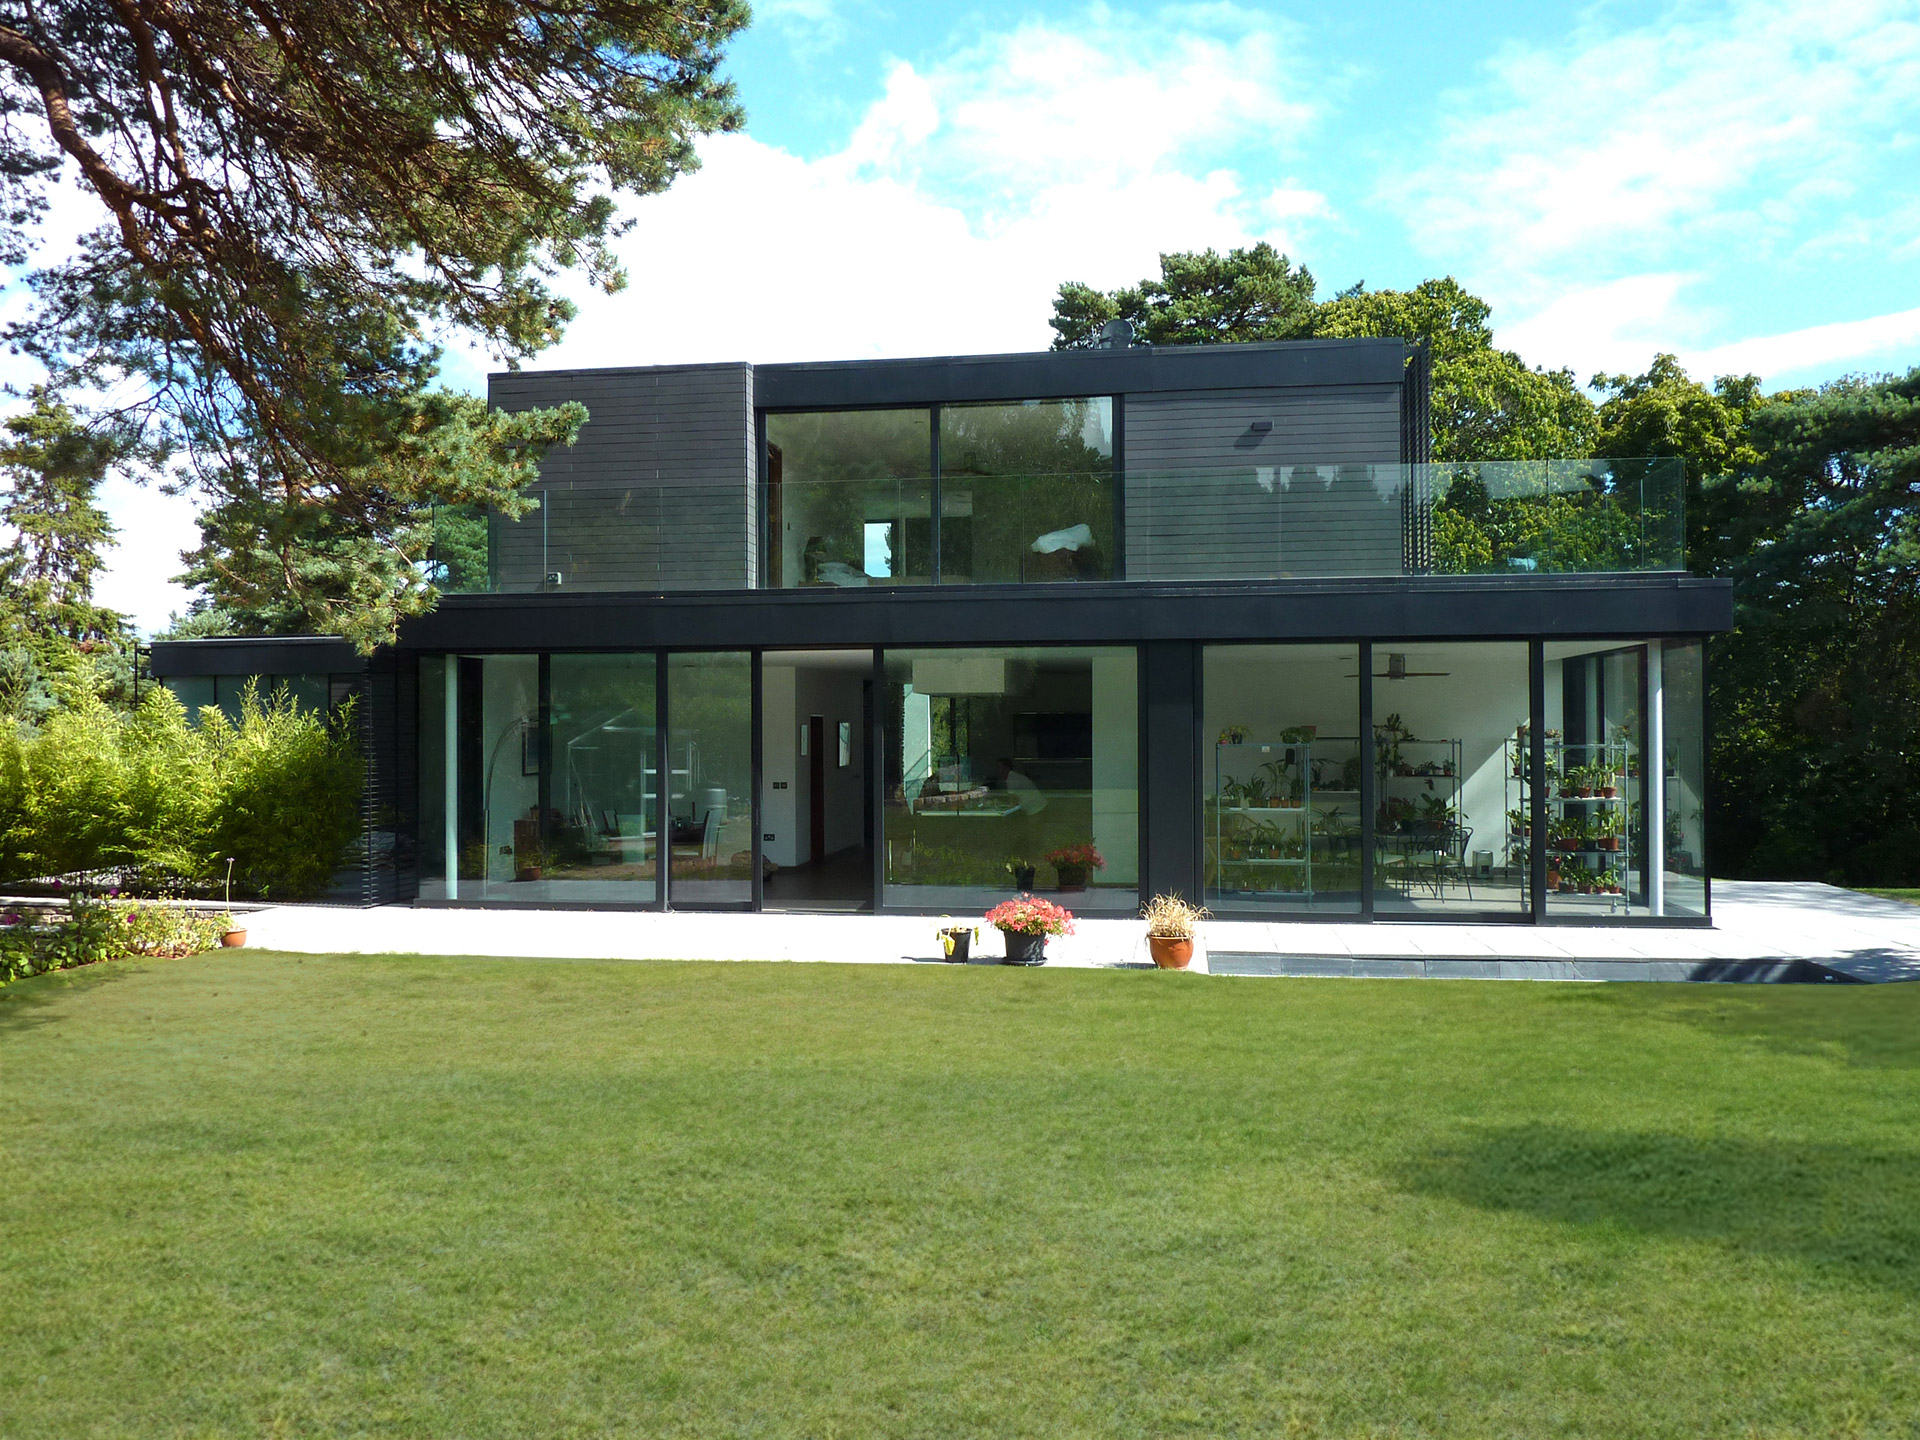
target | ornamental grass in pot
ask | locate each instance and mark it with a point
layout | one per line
(1026, 921)
(1171, 926)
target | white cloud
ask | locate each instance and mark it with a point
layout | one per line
(1818, 349)
(969, 190)
(155, 528)
(1618, 328)
(1735, 126)
(808, 24)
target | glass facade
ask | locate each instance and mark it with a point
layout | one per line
(1014, 492)
(1019, 768)
(223, 692)
(1026, 492)
(849, 498)
(710, 778)
(1281, 763)
(1680, 680)
(1598, 863)
(1011, 769)
(602, 781)
(1449, 727)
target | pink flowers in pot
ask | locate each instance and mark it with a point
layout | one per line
(1077, 857)
(1030, 915)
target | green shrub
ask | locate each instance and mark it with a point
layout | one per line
(96, 930)
(161, 802)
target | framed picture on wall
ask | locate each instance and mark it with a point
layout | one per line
(529, 749)
(846, 743)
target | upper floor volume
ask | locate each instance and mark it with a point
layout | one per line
(1305, 459)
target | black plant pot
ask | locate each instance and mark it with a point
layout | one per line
(1023, 878)
(1024, 949)
(962, 943)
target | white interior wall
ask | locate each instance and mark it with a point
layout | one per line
(783, 774)
(1270, 688)
(789, 696)
(835, 694)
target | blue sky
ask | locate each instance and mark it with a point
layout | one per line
(1733, 182)
(1738, 183)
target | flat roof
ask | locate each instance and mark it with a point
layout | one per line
(1041, 374)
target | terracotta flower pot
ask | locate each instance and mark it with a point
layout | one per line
(1169, 953)
(234, 939)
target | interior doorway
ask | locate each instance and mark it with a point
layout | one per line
(816, 799)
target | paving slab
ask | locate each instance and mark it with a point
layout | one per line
(1787, 931)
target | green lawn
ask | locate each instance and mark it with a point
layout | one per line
(1912, 897)
(253, 1194)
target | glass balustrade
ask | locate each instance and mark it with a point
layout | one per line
(1108, 523)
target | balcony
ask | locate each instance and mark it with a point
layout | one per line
(1238, 523)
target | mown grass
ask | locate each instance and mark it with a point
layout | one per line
(259, 1194)
(1912, 897)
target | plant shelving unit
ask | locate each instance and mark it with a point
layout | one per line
(1418, 783)
(1593, 802)
(1267, 811)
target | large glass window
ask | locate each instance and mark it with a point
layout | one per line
(497, 756)
(602, 786)
(432, 808)
(1281, 764)
(1012, 769)
(849, 498)
(1026, 491)
(224, 692)
(1449, 740)
(1597, 784)
(1682, 687)
(710, 778)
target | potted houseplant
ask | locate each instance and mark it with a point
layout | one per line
(1075, 862)
(956, 941)
(1021, 870)
(234, 936)
(1170, 930)
(1234, 735)
(1026, 921)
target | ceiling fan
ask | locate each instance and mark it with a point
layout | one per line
(1397, 670)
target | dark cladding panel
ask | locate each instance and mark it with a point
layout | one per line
(1257, 484)
(657, 493)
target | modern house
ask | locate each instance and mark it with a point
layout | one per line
(891, 634)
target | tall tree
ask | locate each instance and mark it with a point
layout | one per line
(52, 529)
(1198, 299)
(1816, 694)
(303, 194)
(1488, 404)
(1665, 411)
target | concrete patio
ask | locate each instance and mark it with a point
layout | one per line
(1761, 932)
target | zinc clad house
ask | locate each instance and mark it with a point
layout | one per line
(911, 634)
